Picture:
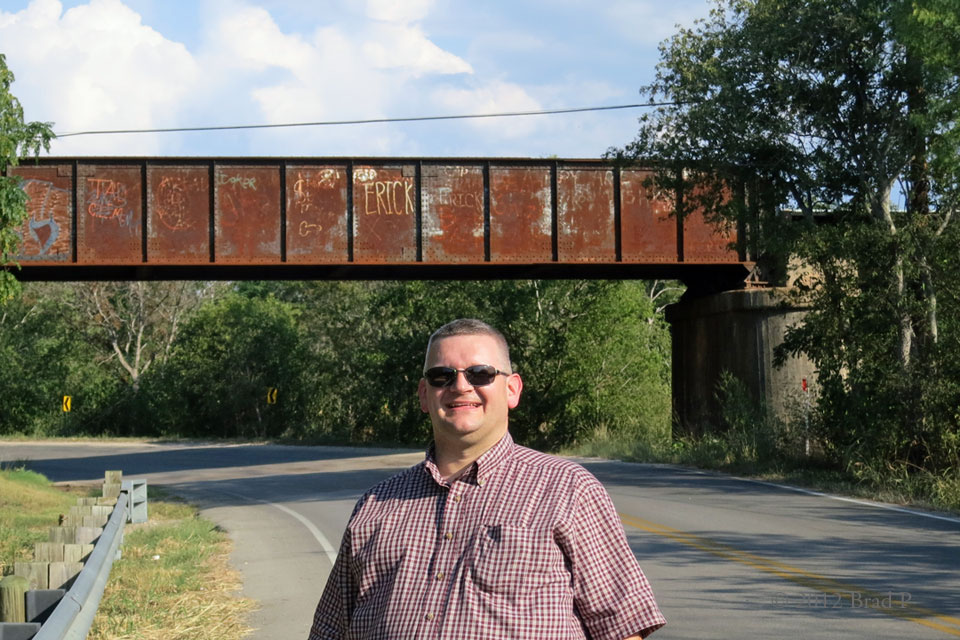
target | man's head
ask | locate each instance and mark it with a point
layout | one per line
(462, 407)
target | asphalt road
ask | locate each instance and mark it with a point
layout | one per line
(726, 557)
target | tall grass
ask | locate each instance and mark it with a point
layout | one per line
(749, 441)
(173, 582)
(29, 506)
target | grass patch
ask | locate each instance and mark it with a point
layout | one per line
(29, 506)
(736, 454)
(173, 582)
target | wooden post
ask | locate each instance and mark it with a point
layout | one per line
(13, 590)
(63, 535)
(48, 552)
(87, 535)
(76, 552)
(62, 574)
(35, 573)
(112, 481)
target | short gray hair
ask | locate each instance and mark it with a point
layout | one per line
(470, 327)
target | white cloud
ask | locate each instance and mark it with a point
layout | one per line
(371, 71)
(406, 48)
(400, 11)
(248, 37)
(494, 97)
(95, 66)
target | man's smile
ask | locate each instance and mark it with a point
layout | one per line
(463, 405)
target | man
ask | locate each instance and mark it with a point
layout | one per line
(484, 539)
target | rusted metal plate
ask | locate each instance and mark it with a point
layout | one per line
(648, 233)
(316, 214)
(384, 214)
(178, 215)
(46, 236)
(332, 211)
(452, 214)
(111, 215)
(521, 226)
(585, 216)
(247, 214)
(708, 242)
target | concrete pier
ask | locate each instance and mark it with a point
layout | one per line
(735, 331)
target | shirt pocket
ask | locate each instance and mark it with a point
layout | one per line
(514, 561)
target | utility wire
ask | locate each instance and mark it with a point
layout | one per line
(334, 123)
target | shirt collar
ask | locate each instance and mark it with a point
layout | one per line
(481, 470)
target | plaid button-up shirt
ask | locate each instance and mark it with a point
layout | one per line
(523, 546)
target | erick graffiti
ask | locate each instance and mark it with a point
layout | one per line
(383, 198)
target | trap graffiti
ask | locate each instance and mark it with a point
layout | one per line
(107, 200)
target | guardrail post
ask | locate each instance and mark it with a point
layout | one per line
(13, 589)
(40, 603)
(69, 614)
(112, 481)
(136, 491)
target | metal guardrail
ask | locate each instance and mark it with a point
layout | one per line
(73, 615)
(72, 618)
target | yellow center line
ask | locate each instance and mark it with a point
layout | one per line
(866, 598)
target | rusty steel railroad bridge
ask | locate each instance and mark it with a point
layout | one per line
(404, 218)
(346, 218)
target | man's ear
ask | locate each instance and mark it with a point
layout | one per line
(514, 387)
(422, 394)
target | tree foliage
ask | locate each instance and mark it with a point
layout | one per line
(845, 112)
(18, 139)
(345, 358)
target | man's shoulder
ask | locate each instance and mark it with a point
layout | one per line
(399, 485)
(551, 464)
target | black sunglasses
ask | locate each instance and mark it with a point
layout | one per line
(478, 375)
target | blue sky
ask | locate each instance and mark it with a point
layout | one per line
(122, 64)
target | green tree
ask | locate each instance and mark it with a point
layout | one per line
(216, 379)
(18, 139)
(43, 358)
(845, 111)
(136, 323)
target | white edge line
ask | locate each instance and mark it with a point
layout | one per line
(864, 503)
(786, 487)
(328, 549)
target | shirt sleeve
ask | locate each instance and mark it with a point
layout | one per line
(613, 598)
(332, 617)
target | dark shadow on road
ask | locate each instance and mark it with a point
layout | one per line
(187, 457)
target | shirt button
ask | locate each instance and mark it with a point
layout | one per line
(481, 482)
(429, 616)
(456, 498)
(440, 575)
(448, 535)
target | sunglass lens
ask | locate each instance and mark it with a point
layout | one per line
(480, 375)
(440, 376)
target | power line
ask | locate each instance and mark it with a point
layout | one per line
(334, 123)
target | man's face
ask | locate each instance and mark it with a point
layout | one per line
(463, 412)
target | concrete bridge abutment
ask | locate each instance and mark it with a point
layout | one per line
(737, 332)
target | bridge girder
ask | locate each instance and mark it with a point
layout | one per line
(348, 218)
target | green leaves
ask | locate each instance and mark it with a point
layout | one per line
(848, 112)
(18, 138)
(345, 358)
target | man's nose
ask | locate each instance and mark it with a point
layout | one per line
(461, 383)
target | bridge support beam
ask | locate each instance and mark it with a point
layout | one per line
(735, 331)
